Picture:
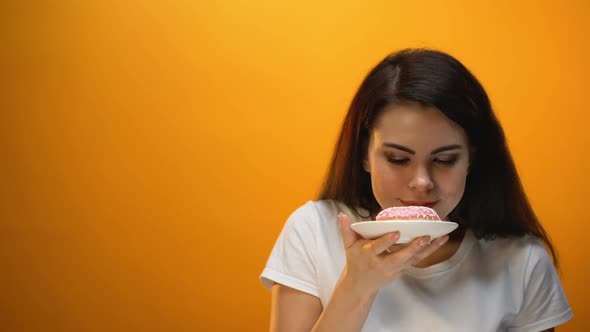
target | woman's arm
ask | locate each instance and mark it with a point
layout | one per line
(368, 268)
(346, 311)
(293, 310)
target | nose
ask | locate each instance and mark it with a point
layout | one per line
(421, 179)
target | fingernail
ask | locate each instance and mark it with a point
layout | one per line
(423, 241)
(340, 216)
(442, 241)
(394, 236)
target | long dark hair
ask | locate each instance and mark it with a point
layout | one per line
(494, 203)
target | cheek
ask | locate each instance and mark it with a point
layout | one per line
(451, 186)
(387, 183)
(452, 183)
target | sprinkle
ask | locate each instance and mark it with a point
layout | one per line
(408, 213)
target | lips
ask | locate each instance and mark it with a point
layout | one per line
(419, 203)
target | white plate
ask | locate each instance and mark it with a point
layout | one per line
(408, 229)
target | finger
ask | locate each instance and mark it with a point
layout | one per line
(396, 247)
(349, 237)
(412, 249)
(382, 244)
(432, 247)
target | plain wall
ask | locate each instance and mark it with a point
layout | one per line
(154, 149)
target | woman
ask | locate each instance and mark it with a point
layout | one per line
(420, 131)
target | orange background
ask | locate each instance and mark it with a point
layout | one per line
(153, 149)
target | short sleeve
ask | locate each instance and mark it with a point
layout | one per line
(292, 260)
(544, 304)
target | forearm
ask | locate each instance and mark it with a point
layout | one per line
(346, 311)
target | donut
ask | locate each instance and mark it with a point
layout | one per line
(408, 213)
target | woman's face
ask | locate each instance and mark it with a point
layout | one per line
(417, 156)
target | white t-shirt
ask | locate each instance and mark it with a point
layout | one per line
(498, 285)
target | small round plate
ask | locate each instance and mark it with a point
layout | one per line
(408, 229)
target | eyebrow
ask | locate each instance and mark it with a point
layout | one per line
(435, 151)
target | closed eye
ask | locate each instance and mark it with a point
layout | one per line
(446, 161)
(398, 161)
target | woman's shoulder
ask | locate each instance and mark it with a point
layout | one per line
(524, 242)
(526, 248)
(319, 210)
(513, 257)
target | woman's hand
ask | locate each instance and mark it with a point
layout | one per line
(372, 264)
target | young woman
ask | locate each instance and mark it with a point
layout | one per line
(420, 131)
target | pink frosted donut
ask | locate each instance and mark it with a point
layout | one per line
(408, 213)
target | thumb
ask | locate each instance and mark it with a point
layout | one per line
(349, 237)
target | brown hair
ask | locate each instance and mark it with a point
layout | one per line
(494, 203)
